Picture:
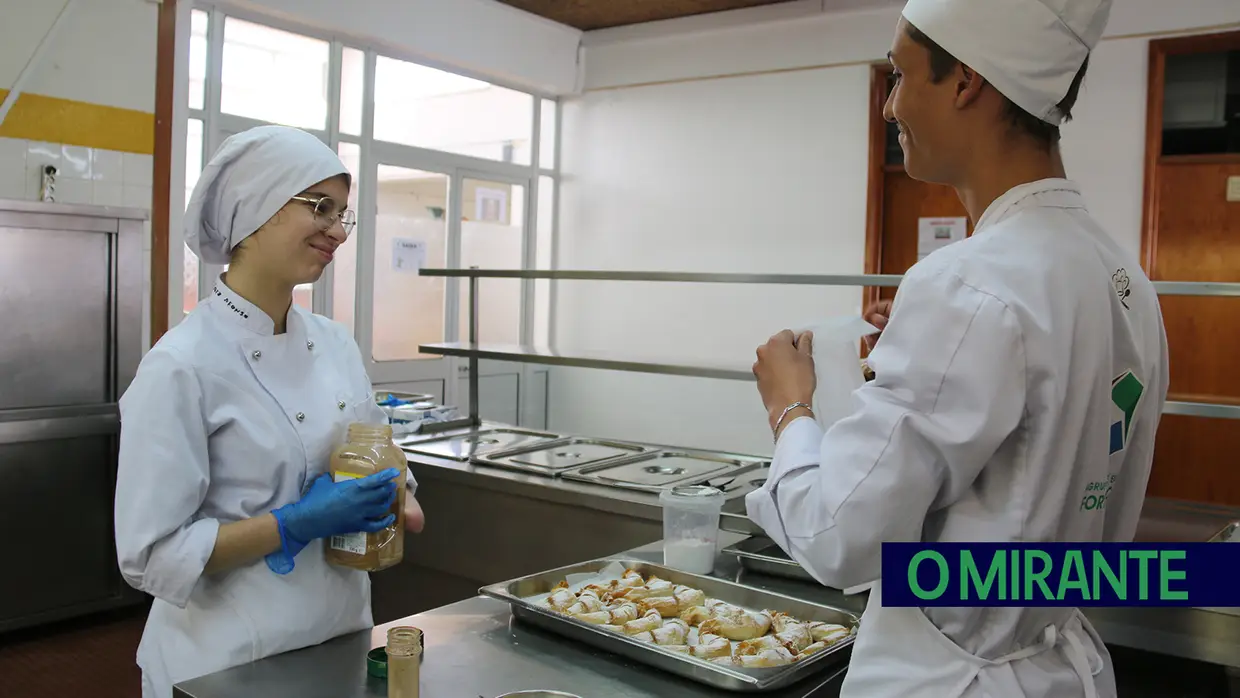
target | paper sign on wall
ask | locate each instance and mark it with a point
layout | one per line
(491, 205)
(408, 255)
(934, 233)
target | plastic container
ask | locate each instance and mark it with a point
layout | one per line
(404, 662)
(691, 527)
(368, 449)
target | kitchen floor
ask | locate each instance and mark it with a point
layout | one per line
(91, 657)
(94, 657)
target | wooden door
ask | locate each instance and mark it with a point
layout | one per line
(897, 202)
(1192, 233)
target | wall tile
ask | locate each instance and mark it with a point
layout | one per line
(75, 161)
(137, 196)
(71, 190)
(108, 166)
(12, 168)
(109, 193)
(139, 169)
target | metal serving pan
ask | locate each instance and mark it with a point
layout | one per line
(516, 591)
(552, 458)
(762, 555)
(471, 444)
(661, 469)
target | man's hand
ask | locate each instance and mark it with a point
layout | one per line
(877, 315)
(785, 372)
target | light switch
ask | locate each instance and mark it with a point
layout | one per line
(1233, 188)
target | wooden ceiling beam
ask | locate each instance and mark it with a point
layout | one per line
(588, 15)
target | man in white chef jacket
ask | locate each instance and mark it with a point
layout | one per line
(1019, 369)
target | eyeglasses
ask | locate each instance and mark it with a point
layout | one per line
(325, 215)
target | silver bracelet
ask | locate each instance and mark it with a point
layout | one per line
(788, 409)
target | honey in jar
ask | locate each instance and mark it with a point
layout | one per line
(369, 449)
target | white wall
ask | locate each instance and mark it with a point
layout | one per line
(104, 52)
(485, 37)
(764, 172)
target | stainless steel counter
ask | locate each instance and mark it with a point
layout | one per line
(1195, 634)
(473, 648)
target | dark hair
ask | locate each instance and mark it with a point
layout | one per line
(943, 63)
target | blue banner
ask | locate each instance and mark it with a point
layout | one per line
(1061, 574)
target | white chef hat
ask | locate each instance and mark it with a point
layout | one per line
(251, 177)
(1030, 50)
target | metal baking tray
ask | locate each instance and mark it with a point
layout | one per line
(658, 470)
(381, 395)
(516, 591)
(470, 444)
(561, 455)
(762, 555)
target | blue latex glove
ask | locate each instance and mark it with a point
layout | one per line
(333, 508)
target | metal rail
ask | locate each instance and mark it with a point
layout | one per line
(1164, 288)
(475, 351)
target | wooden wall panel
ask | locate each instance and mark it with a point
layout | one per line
(1198, 239)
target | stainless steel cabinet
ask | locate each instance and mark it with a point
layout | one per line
(70, 342)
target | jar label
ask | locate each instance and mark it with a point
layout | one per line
(354, 543)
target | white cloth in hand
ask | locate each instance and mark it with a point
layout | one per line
(837, 365)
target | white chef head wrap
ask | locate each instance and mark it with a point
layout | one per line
(1030, 50)
(251, 177)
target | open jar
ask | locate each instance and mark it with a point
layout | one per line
(369, 449)
(691, 527)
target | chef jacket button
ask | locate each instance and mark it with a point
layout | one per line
(257, 355)
(309, 344)
(340, 404)
(301, 416)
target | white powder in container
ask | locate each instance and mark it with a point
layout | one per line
(692, 555)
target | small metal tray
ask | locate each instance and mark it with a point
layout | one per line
(762, 555)
(561, 455)
(516, 591)
(470, 444)
(661, 469)
(1229, 534)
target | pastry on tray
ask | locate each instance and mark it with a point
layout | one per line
(682, 619)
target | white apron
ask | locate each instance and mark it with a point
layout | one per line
(926, 663)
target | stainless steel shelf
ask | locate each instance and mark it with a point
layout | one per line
(1164, 288)
(551, 357)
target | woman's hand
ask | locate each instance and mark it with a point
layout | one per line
(415, 520)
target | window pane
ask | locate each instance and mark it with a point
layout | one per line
(492, 228)
(408, 309)
(303, 295)
(430, 108)
(197, 58)
(546, 135)
(344, 266)
(193, 156)
(189, 290)
(274, 76)
(193, 167)
(352, 82)
(542, 260)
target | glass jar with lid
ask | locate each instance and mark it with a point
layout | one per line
(369, 449)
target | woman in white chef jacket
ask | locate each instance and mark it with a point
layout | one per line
(221, 498)
(1021, 370)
